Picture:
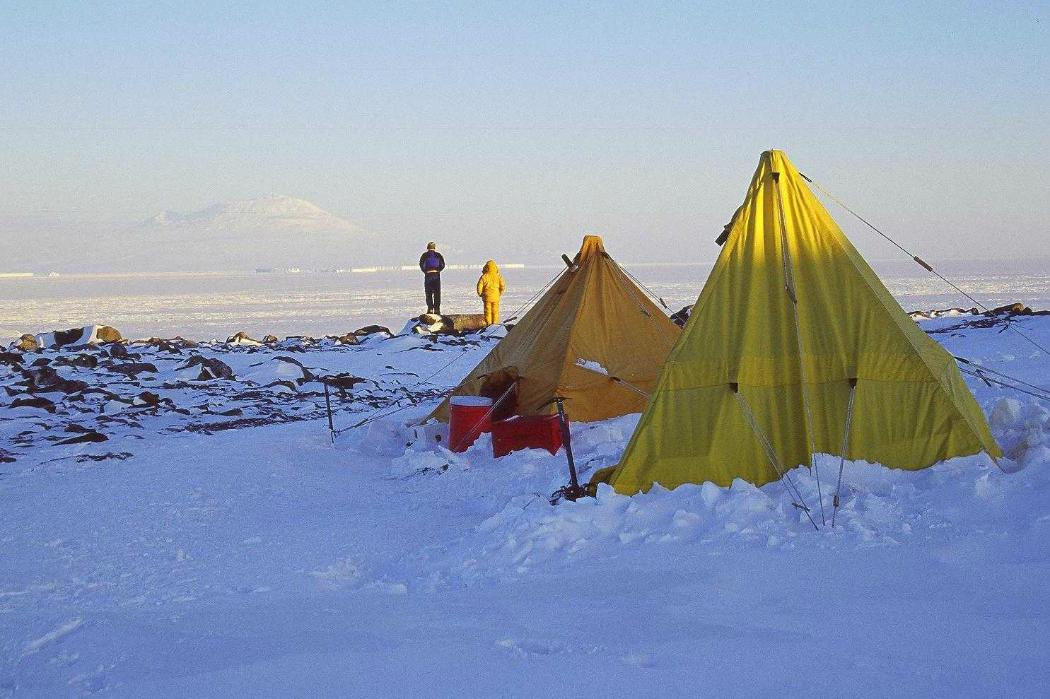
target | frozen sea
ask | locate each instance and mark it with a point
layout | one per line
(215, 306)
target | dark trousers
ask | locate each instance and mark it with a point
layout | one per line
(432, 287)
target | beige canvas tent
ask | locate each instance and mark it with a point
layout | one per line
(795, 347)
(593, 314)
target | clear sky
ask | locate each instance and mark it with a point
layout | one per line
(489, 120)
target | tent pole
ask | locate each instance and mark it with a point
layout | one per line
(845, 446)
(770, 454)
(789, 287)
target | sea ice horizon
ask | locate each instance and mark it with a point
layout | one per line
(209, 306)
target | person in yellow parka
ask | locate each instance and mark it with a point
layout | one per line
(490, 287)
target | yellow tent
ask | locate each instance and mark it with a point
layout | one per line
(792, 333)
(593, 313)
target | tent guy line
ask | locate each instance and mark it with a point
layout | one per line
(921, 262)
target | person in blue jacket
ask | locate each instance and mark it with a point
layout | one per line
(431, 263)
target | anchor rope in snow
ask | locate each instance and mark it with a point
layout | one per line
(1042, 394)
(922, 263)
(980, 369)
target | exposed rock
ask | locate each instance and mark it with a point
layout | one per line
(131, 369)
(83, 361)
(34, 402)
(119, 351)
(242, 338)
(119, 456)
(106, 334)
(147, 398)
(347, 339)
(211, 368)
(681, 317)
(44, 378)
(87, 335)
(935, 313)
(89, 436)
(270, 339)
(10, 358)
(464, 322)
(372, 330)
(343, 382)
(1015, 309)
(455, 323)
(27, 343)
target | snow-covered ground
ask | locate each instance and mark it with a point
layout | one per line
(196, 552)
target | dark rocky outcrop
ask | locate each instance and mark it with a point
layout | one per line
(43, 378)
(131, 369)
(373, 330)
(83, 361)
(681, 317)
(11, 358)
(211, 368)
(242, 338)
(34, 402)
(85, 437)
(452, 324)
(347, 339)
(89, 334)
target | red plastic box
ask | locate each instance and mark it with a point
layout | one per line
(531, 432)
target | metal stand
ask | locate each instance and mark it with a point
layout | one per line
(328, 404)
(573, 491)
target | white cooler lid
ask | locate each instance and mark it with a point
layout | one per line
(471, 401)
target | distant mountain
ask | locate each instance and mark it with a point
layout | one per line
(271, 213)
(273, 232)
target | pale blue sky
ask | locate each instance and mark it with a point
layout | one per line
(512, 119)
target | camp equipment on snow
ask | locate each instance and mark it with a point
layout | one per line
(530, 432)
(469, 417)
(592, 311)
(795, 348)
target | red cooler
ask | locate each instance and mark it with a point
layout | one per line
(468, 417)
(532, 432)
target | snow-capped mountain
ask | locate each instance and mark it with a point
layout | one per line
(268, 213)
(274, 231)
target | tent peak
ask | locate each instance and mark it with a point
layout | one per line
(592, 245)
